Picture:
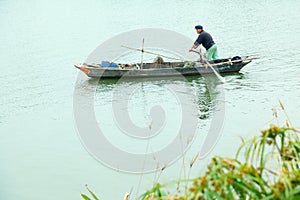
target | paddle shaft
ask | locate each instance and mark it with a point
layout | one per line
(215, 72)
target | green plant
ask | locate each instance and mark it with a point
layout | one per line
(85, 197)
(251, 178)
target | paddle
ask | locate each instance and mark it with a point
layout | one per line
(221, 79)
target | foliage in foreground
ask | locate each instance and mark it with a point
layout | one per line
(270, 170)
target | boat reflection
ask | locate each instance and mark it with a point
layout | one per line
(205, 88)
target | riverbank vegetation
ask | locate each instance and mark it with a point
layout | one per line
(267, 166)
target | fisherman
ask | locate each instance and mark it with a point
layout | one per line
(207, 42)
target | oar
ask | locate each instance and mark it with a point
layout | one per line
(149, 52)
(221, 79)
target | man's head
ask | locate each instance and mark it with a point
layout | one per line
(199, 28)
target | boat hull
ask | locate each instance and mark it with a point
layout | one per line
(197, 69)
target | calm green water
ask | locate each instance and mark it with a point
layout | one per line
(41, 154)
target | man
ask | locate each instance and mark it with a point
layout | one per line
(207, 42)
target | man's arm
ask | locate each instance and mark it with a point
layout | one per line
(193, 47)
(197, 42)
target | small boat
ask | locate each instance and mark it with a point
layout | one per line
(159, 68)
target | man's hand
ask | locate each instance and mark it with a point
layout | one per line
(192, 48)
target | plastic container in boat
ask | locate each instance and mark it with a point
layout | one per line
(109, 64)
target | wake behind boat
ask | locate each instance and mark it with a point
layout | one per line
(159, 68)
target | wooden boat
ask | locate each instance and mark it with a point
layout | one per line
(161, 68)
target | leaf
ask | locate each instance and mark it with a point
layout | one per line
(296, 190)
(90, 191)
(85, 197)
(230, 194)
(213, 195)
(250, 191)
